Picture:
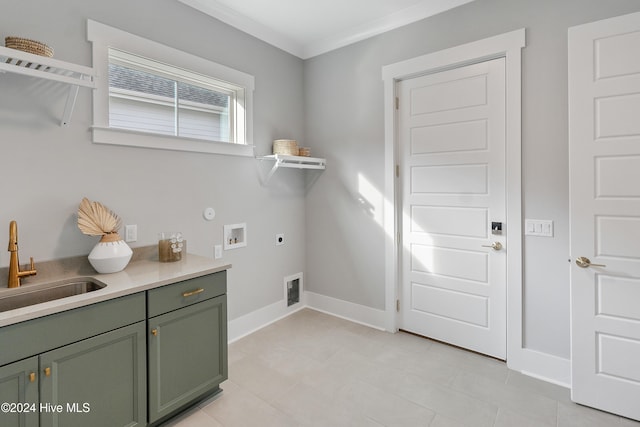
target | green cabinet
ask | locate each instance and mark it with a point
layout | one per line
(82, 367)
(187, 347)
(98, 382)
(19, 390)
(129, 361)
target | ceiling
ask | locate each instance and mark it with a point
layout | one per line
(307, 28)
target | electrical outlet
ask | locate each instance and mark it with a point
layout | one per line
(130, 233)
(279, 239)
(217, 251)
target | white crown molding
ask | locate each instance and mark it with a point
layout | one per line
(246, 24)
(421, 10)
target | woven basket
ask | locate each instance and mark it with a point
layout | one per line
(304, 151)
(287, 147)
(30, 46)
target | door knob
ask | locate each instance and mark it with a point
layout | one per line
(585, 262)
(496, 246)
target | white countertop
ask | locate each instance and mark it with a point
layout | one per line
(140, 275)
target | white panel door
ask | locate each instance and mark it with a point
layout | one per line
(452, 151)
(604, 147)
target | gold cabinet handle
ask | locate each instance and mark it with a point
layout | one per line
(194, 292)
(496, 246)
(585, 262)
(32, 377)
(154, 332)
(47, 372)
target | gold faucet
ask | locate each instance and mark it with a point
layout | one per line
(14, 265)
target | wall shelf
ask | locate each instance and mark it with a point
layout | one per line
(76, 76)
(292, 162)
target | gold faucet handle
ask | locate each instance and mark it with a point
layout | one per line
(30, 272)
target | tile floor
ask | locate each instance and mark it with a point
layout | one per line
(312, 369)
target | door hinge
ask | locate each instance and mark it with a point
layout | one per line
(397, 103)
(397, 171)
(398, 305)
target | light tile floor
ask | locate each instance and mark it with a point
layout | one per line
(312, 369)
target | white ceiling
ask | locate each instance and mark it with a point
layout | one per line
(307, 28)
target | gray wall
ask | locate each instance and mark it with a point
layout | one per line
(344, 123)
(334, 101)
(45, 170)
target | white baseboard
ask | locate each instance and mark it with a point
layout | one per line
(251, 322)
(357, 313)
(546, 367)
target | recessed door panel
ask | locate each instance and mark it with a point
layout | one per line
(619, 357)
(617, 177)
(618, 297)
(617, 116)
(449, 137)
(451, 221)
(618, 236)
(437, 97)
(467, 265)
(612, 58)
(451, 179)
(446, 303)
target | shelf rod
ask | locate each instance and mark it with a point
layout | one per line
(45, 75)
(299, 166)
(17, 55)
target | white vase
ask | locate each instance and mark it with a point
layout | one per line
(110, 255)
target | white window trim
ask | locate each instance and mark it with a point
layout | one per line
(104, 37)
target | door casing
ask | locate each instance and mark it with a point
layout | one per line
(509, 46)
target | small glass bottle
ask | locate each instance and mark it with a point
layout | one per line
(171, 245)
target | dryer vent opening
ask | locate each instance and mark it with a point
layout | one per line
(293, 292)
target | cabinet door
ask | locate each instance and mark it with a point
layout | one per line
(187, 355)
(19, 385)
(100, 381)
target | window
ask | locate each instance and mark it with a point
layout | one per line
(152, 97)
(159, 97)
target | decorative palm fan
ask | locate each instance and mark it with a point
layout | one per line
(95, 219)
(111, 254)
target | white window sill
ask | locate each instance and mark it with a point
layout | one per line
(113, 136)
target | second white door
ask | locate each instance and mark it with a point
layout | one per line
(452, 150)
(604, 154)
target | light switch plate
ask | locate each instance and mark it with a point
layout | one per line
(130, 233)
(538, 227)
